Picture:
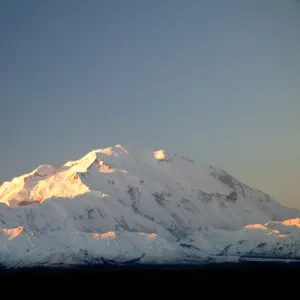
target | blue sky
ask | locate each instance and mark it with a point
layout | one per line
(216, 80)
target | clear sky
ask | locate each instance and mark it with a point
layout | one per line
(213, 79)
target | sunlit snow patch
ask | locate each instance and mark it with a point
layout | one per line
(10, 233)
(107, 235)
(149, 235)
(255, 226)
(116, 150)
(160, 155)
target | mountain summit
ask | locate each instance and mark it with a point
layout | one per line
(122, 205)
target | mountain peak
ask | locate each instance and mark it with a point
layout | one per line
(116, 150)
(160, 155)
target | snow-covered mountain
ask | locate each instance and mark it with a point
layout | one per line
(124, 205)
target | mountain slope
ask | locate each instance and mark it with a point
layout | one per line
(121, 204)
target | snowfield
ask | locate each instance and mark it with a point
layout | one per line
(121, 205)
